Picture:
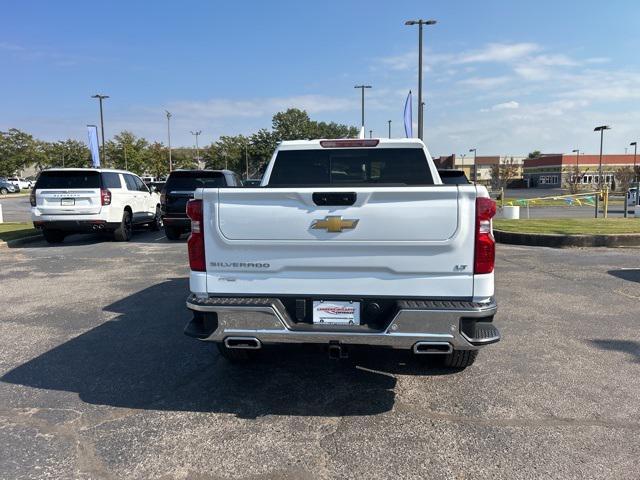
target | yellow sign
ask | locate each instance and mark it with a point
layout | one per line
(334, 224)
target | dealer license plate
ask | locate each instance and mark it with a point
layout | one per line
(327, 312)
(67, 202)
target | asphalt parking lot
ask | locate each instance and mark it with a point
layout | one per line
(98, 381)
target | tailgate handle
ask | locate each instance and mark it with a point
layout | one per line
(334, 198)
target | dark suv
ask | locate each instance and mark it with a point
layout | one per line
(179, 189)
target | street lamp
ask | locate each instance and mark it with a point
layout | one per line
(635, 154)
(601, 129)
(370, 133)
(389, 122)
(169, 138)
(577, 152)
(420, 23)
(100, 99)
(362, 87)
(475, 166)
(196, 133)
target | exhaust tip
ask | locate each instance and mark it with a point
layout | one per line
(242, 343)
(432, 348)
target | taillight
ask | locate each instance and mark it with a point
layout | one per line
(349, 143)
(32, 197)
(485, 246)
(105, 197)
(195, 244)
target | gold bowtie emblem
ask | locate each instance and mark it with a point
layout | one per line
(334, 224)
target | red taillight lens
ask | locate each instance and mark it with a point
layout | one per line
(105, 197)
(32, 197)
(195, 244)
(485, 246)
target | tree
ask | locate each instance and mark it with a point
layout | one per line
(332, 130)
(126, 151)
(157, 160)
(18, 150)
(503, 172)
(228, 152)
(263, 144)
(574, 178)
(292, 124)
(624, 177)
(66, 153)
(534, 154)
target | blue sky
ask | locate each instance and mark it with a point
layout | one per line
(503, 76)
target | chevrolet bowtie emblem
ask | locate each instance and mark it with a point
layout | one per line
(334, 224)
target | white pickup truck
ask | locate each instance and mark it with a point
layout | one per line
(346, 242)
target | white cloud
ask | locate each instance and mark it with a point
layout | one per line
(511, 105)
(498, 52)
(485, 82)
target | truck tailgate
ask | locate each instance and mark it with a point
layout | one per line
(391, 241)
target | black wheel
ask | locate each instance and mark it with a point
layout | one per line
(172, 233)
(235, 355)
(460, 358)
(157, 221)
(53, 236)
(4, 191)
(124, 231)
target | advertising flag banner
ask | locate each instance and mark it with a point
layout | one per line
(94, 146)
(408, 116)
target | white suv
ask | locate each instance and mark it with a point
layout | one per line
(72, 200)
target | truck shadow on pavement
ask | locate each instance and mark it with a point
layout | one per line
(142, 360)
(629, 347)
(628, 274)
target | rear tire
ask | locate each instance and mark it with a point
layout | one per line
(172, 233)
(233, 355)
(3, 191)
(124, 231)
(53, 236)
(156, 225)
(460, 359)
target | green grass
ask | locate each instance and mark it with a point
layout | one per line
(553, 203)
(570, 226)
(14, 230)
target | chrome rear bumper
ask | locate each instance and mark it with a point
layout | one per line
(463, 325)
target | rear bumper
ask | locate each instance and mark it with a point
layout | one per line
(462, 325)
(177, 221)
(75, 225)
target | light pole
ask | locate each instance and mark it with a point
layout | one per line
(462, 159)
(169, 139)
(370, 133)
(475, 166)
(635, 154)
(362, 87)
(601, 129)
(196, 133)
(577, 152)
(389, 122)
(100, 99)
(420, 23)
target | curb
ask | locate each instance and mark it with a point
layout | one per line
(561, 241)
(20, 241)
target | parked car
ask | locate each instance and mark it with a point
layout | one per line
(157, 185)
(347, 242)
(8, 187)
(453, 177)
(21, 182)
(71, 200)
(179, 189)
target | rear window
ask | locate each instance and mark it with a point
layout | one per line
(191, 180)
(69, 179)
(351, 167)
